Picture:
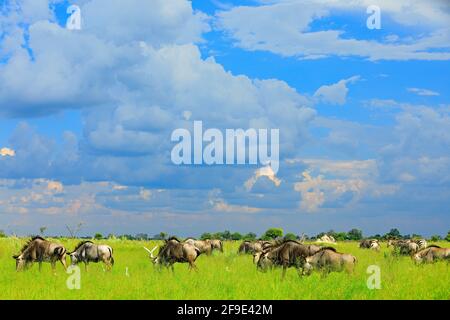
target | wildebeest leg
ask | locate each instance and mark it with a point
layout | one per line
(40, 266)
(172, 268)
(63, 262)
(86, 264)
(53, 262)
(283, 275)
(192, 266)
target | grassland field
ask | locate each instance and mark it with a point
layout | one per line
(220, 276)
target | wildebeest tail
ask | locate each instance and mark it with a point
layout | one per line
(111, 255)
(60, 251)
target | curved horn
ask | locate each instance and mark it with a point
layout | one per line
(151, 251)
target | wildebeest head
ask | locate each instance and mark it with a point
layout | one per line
(307, 266)
(153, 258)
(263, 260)
(21, 262)
(74, 258)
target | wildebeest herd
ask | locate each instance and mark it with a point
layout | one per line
(266, 254)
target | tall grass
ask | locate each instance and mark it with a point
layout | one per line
(221, 276)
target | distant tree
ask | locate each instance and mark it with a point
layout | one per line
(436, 238)
(126, 237)
(290, 236)
(162, 235)
(236, 236)
(377, 236)
(217, 235)
(393, 234)
(354, 235)
(111, 236)
(206, 235)
(141, 236)
(2, 234)
(447, 238)
(341, 236)
(226, 235)
(273, 233)
(250, 236)
(42, 230)
(98, 236)
(416, 236)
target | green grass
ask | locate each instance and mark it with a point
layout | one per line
(221, 276)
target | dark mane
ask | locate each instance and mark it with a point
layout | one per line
(81, 243)
(327, 248)
(433, 246)
(27, 244)
(173, 238)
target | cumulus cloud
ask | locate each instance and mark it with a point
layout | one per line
(219, 204)
(7, 152)
(290, 32)
(335, 93)
(262, 172)
(339, 183)
(55, 187)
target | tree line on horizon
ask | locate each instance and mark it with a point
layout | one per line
(270, 234)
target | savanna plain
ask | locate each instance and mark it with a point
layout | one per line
(226, 275)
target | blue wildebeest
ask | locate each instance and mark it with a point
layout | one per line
(370, 244)
(284, 253)
(431, 254)
(40, 250)
(405, 247)
(87, 251)
(327, 259)
(174, 251)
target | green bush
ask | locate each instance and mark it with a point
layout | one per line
(290, 236)
(98, 236)
(273, 233)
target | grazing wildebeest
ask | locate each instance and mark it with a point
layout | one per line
(407, 247)
(370, 244)
(205, 246)
(40, 250)
(87, 251)
(285, 253)
(173, 251)
(431, 254)
(252, 247)
(327, 260)
(217, 245)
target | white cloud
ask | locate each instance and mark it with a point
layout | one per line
(339, 183)
(335, 93)
(217, 203)
(262, 172)
(423, 92)
(289, 34)
(7, 152)
(55, 187)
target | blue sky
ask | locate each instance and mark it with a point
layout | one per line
(86, 115)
